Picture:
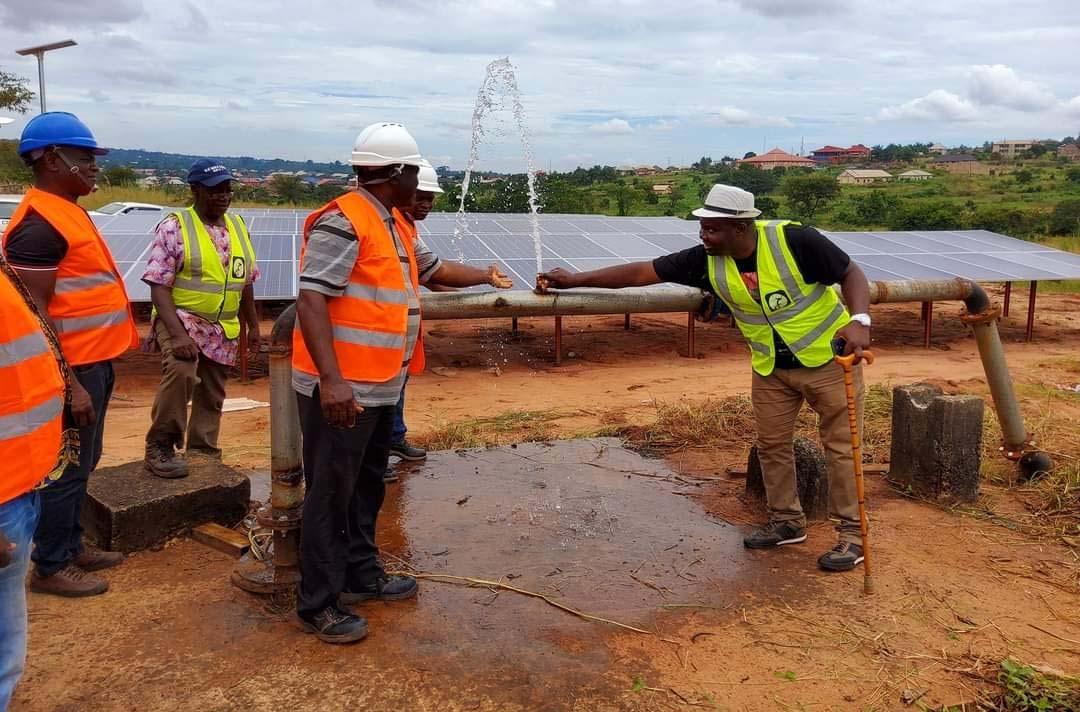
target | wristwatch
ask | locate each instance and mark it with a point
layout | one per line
(863, 319)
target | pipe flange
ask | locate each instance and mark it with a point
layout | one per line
(282, 520)
(991, 314)
(1015, 452)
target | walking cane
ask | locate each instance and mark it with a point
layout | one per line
(848, 363)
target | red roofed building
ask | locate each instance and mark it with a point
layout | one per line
(777, 158)
(835, 154)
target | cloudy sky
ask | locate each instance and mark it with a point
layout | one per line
(618, 82)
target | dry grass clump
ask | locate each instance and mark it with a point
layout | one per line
(516, 426)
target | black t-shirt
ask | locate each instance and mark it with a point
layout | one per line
(35, 243)
(818, 259)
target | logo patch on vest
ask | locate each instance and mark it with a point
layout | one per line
(239, 269)
(777, 300)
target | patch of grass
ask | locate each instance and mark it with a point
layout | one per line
(516, 426)
(1029, 690)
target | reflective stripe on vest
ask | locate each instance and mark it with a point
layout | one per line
(370, 320)
(89, 288)
(31, 399)
(203, 286)
(805, 315)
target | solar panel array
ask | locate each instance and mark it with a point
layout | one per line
(585, 242)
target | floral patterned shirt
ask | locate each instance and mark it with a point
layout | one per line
(165, 262)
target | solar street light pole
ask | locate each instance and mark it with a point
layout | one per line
(39, 52)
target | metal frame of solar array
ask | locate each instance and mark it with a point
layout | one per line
(582, 242)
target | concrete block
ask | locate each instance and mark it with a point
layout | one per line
(936, 443)
(127, 509)
(811, 478)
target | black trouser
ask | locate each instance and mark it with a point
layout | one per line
(58, 538)
(343, 471)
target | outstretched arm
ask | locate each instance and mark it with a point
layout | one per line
(635, 274)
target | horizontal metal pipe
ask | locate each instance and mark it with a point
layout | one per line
(645, 300)
(576, 302)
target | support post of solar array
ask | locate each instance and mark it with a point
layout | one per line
(558, 341)
(690, 335)
(1008, 297)
(626, 322)
(928, 323)
(514, 326)
(1031, 311)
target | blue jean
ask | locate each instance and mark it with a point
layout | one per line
(18, 517)
(399, 417)
(58, 539)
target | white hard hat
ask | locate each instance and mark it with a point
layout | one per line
(429, 179)
(385, 144)
(727, 201)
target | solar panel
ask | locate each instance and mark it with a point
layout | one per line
(584, 242)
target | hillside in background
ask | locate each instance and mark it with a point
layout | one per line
(177, 162)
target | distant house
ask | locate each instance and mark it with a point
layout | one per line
(938, 150)
(854, 176)
(833, 155)
(663, 188)
(963, 163)
(1070, 152)
(1012, 149)
(915, 175)
(647, 170)
(778, 158)
(251, 181)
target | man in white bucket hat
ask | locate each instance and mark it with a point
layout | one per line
(775, 277)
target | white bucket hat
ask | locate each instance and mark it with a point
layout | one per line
(727, 201)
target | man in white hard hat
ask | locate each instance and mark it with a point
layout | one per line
(359, 316)
(776, 279)
(438, 276)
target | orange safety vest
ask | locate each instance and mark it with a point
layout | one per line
(89, 307)
(31, 399)
(370, 320)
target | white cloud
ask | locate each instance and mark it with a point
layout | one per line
(665, 125)
(612, 127)
(737, 65)
(793, 8)
(38, 14)
(1072, 107)
(730, 116)
(938, 105)
(998, 85)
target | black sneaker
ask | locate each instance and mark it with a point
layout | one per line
(843, 557)
(390, 475)
(407, 452)
(163, 461)
(385, 588)
(775, 534)
(333, 625)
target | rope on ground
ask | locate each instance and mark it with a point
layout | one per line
(469, 581)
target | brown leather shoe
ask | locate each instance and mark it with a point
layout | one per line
(93, 559)
(70, 582)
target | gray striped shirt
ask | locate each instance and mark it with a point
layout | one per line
(332, 249)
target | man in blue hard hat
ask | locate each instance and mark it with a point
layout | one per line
(65, 264)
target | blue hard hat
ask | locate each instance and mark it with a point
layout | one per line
(57, 128)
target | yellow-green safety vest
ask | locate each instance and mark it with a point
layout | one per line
(805, 315)
(203, 287)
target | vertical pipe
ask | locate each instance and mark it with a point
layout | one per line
(558, 341)
(1001, 388)
(690, 335)
(1031, 311)
(922, 312)
(41, 78)
(626, 322)
(928, 326)
(1008, 298)
(286, 469)
(514, 325)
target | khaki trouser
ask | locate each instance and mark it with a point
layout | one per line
(777, 399)
(202, 382)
